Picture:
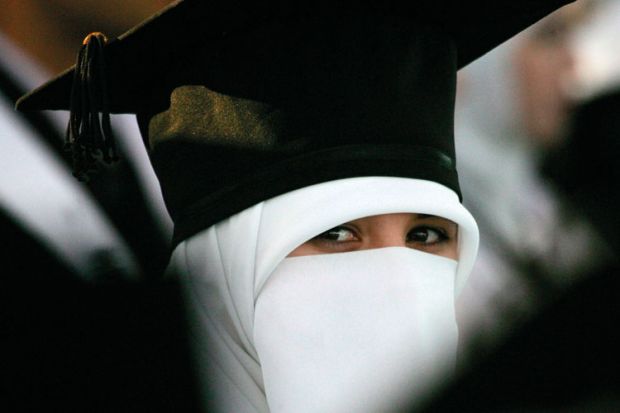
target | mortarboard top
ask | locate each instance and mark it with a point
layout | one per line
(243, 102)
(139, 59)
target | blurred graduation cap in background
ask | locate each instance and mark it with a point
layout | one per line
(239, 103)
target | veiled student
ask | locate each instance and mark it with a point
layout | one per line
(306, 156)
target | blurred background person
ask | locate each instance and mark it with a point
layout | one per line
(583, 167)
(115, 221)
(513, 107)
(540, 145)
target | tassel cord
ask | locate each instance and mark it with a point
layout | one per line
(89, 133)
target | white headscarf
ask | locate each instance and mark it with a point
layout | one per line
(292, 334)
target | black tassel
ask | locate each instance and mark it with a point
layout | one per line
(89, 134)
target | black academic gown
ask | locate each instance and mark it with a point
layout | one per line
(70, 345)
(563, 360)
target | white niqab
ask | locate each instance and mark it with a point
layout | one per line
(360, 331)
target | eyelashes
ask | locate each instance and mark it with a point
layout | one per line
(428, 235)
(338, 235)
(422, 234)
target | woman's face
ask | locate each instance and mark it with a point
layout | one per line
(426, 233)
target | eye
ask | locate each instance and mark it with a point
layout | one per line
(427, 235)
(338, 234)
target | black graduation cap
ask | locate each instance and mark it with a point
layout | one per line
(240, 103)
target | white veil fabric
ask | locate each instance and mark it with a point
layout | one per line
(250, 306)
